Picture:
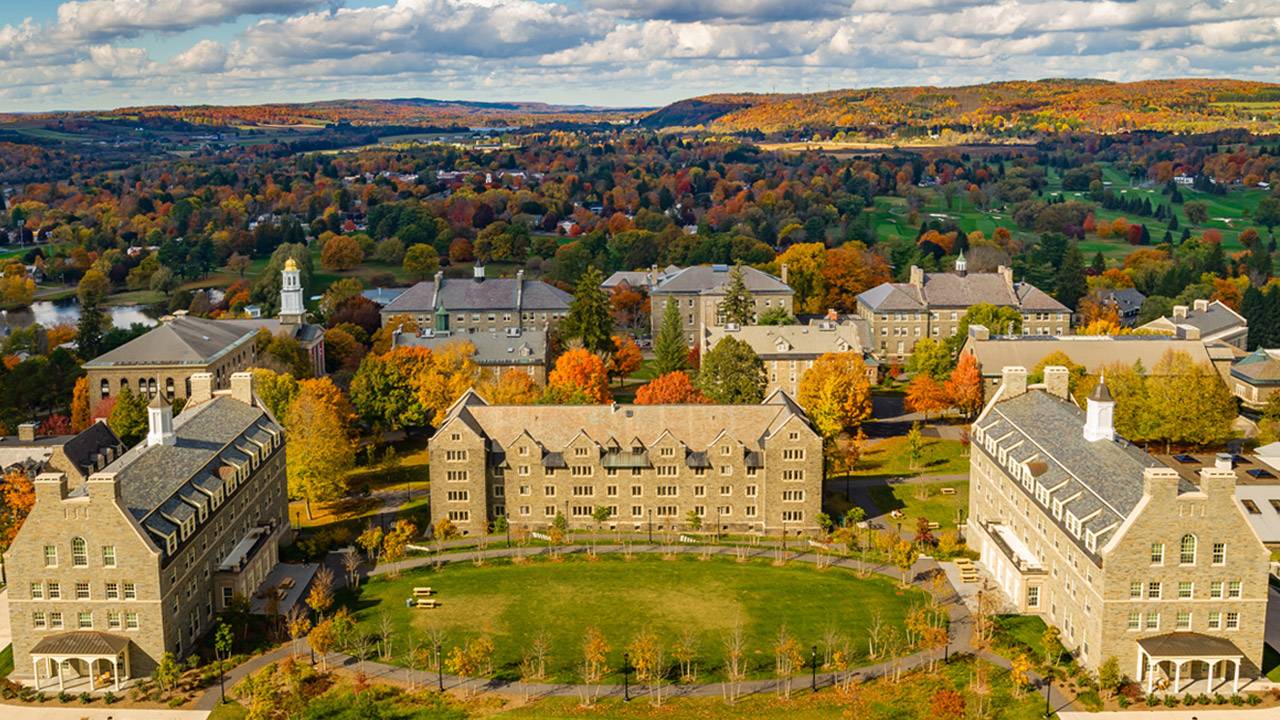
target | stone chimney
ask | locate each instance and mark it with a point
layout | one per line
(917, 276)
(1006, 272)
(1223, 461)
(784, 273)
(1057, 381)
(1099, 412)
(27, 432)
(1201, 305)
(653, 276)
(242, 387)
(1160, 483)
(1179, 312)
(979, 332)
(439, 285)
(1014, 381)
(201, 388)
(160, 422)
(1218, 481)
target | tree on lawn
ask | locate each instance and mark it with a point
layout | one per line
(625, 358)
(589, 320)
(964, 388)
(926, 395)
(580, 370)
(320, 447)
(732, 374)
(674, 388)
(670, 349)
(738, 305)
(836, 394)
(915, 445)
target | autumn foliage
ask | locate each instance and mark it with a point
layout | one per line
(674, 388)
(579, 370)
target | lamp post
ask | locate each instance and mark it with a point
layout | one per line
(717, 535)
(650, 526)
(813, 662)
(1048, 688)
(439, 669)
(626, 668)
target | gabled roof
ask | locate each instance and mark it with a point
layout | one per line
(492, 348)
(955, 290)
(183, 340)
(816, 338)
(1093, 352)
(468, 295)
(1260, 367)
(712, 279)
(81, 642)
(893, 297)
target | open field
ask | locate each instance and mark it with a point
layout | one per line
(925, 501)
(513, 603)
(889, 457)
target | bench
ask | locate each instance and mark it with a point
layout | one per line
(934, 525)
(423, 591)
(429, 604)
(948, 491)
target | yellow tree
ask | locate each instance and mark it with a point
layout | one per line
(805, 262)
(513, 387)
(451, 372)
(836, 393)
(80, 405)
(320, 447)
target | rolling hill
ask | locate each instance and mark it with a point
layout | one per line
(1008, 109)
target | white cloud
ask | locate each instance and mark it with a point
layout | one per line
(105, 19)
(205, 56)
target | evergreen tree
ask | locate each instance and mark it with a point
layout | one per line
(89, 332)
(589, 319)
(128, 419)
(1071, 285)
(1099, 263)
(732, 373)
(670, 348)
(1253, 306)
(738, 306)
(1270, 319)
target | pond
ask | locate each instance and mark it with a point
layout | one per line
(67, 312)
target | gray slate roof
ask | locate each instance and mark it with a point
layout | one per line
(711, 280)
(457, 295)
(1103, 477)
(1126, 300)
(83, 449)
(953, 290)
(492, 348)
(81, 642)
(305, 333)
(637, 278)
(183, 340)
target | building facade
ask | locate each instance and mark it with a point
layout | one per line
(931, 305)
(108, 574)
(480, 304)
(1128, 557)
(1255, 377)
(787, 351)
(699, 291)
(525, 351)
(748, 468)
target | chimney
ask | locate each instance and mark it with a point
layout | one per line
(242, 387)
(1219, 481)
(477, 273)
(160, 422)
(439, 285)
(50, 486)
(1201, 305)
(201, 388)
(917, 276)
(1014, 381)
(1179, 312)
(27, 432)
(653, 276)
(1099, 411)
(1007, 273)
(784, 274)
(1189, 332)
(979, 332)
(1057, 381)
(1160, 483)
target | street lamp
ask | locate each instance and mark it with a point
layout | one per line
(650, 526)
(626, 668)
(1048, 688)
(439, 669)
(813, 681)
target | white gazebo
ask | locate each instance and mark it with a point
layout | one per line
(84, 652)
(1175, 650)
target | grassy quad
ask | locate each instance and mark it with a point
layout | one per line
(924, 500)
(512, 603)
(888, 457)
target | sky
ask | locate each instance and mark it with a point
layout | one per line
(101, 54)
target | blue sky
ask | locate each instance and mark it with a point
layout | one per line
(78, 54)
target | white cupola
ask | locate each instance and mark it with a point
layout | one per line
(292, 310)
(1099, 411)
(160, 422)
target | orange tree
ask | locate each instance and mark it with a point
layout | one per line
(580, 371)
(674, 388)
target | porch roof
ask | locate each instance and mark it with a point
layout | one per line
(1185, 645)
(81, 643)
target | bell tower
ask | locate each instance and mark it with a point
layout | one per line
(292, 311)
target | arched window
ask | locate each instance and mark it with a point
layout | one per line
(124, 384)
(79, 553)
(168, 388)
(1187, 550)
(106, 388)
(151, 388)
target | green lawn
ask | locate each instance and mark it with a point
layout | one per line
(923, 501)
(889, 457)
(1270, 663)
(6, 661)
(513, 603)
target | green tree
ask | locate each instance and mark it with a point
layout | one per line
(320, 449)
(128, 419)
(732, 373)
(670, 349)
(737, 306)
(1070, 284)
(1268, 213)
(275, 390)
(999, 320)
(931, 357)
(915, 445)
(421, 261)
(89, 331)
(776, 316)
(93, 289)
(590, 320)
(1189, 402)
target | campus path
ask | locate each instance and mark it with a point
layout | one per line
(51, 711)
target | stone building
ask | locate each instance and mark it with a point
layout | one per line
(1255, 377)
(744, 468)
(787, 351)
(524, 350)
(699, 291)
(480, 304)
(108, 574)
(1131, 558)
(931, 305)
(165, 358)
(291, 321)
(1205, 321)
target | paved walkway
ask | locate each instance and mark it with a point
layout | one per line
(49, 711)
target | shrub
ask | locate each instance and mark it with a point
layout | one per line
(86, 698)
(41, 697)
(110, 698)
(1237, 700)
(1152, 701)
(1219, 699)
(64, 697)
(1124, 702)
(177, 702)
(1203, 699)
(1254, 700)
(1170, 701)
(1188, 699)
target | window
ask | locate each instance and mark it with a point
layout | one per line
(611, 491)
(37, 591)
(793, 496)
(1135, 590)
(460, 515)
(130, 591)
(699, 490)
(583, 491)
(549, 490)
(793, 475)
(792, 516)
(113, 620)
(726, 490)
(1233, 621)
(113, 591)
(38, 620)
(1135, 620)
(55, 620)
(1219, 553)
(455, 475)
(793, 454)
(1187, 550)
(750, 491)
(1215, 590)
(1233, 590)
(637, 491)
(455, 455)
(1157, 553)
(1153, 621)
(666, 471)
(1033, 596)
(1215, 620)
(51, 556)
(580, 451)
(726, 469)
(84, 621)
(637, 511)
(55, 591)
(1185, 590)
(667, 491)
(131, 621)
(582, 470)
(1184, 620)
(751, 511)
(109, 555)
(1153, 591)
(549, 510)
(458, 495)
(82, 591)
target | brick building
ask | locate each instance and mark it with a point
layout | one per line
(746, 468)
(108, 574)
(1153, 565)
